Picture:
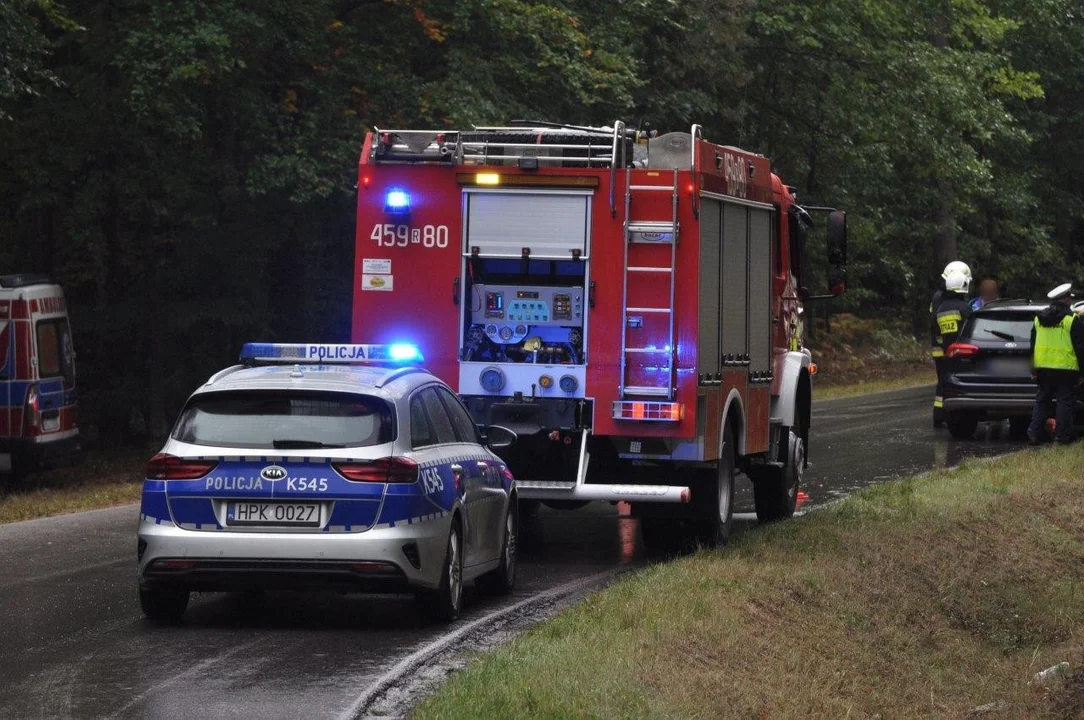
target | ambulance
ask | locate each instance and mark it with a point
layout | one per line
(37, 376)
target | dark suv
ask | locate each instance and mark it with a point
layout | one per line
(989, 369)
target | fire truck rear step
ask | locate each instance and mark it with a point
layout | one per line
(546, 490)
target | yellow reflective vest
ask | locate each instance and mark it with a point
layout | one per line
(1054, 346)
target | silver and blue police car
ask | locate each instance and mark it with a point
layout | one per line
(326, 467)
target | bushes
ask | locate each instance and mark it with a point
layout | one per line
(851, 349)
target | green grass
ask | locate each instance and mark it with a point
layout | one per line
(101, 480)
(924, 597)
(912, 378)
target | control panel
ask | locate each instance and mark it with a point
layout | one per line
(511, 305)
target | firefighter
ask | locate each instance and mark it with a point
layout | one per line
(1057, 356)
(948, 310)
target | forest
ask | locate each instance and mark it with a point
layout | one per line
(186, 169)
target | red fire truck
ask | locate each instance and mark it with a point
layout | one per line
(629, 304)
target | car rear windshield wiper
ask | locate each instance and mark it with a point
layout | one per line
(301, 444)
(1002, 335)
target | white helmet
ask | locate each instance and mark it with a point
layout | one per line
(956, 266)
(957, 281)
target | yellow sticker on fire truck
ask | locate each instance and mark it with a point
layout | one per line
(377, 282)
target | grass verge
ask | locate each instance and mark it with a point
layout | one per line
(101, 480)
(926, 597)
(914, 377)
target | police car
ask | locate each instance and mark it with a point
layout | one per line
(326, 467)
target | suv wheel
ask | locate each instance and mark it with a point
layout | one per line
(962, 425)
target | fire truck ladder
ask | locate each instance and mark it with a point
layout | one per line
(660, 232)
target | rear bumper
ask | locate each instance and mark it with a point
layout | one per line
(410, 556)
(41, 452)
(1007, 404)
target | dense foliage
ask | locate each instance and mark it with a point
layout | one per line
(186, 169)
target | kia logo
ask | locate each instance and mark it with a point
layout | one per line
(1010, 344)
(272, 473)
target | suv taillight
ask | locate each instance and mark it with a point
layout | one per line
(164, 466)
(384, 470)
(960, 350)
(32, 412)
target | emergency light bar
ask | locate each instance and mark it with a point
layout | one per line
(646, 410)
(297, 353)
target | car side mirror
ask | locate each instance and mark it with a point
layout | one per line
(497, 437)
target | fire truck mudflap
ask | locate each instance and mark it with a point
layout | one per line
(628, 305)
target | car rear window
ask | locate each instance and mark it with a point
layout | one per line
(282, 419)
(1010, 327)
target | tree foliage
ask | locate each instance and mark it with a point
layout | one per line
(186, 169)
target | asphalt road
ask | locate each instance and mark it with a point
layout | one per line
(73, 644)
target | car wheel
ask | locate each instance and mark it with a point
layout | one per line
(443, 604)
(714, 529)
(502, 580)
(1018, 427)
(163, 607)
(776, 490)
(962, 425)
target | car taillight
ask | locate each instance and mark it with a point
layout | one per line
(384, 470)
(164, 466)
(960, 350)
(32, 411)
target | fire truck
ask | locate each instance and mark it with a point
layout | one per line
(628, 303)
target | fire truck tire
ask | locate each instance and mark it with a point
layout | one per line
(776, 491)
(662, 535)
(716, 521)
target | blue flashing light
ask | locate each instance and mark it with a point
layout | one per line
(396, 200)
(404, 352)
(329, 353)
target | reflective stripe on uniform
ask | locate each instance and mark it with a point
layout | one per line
(1054, 346)
(937, 352)
(938, 402)
(949, 322)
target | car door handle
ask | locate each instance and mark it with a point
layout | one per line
(483, 464)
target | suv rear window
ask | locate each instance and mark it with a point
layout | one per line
(283, 419)
(1010, 327)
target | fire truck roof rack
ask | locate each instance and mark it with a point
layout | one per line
(531, 144)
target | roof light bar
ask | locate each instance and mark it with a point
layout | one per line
(521, 179)
(645, 410)
(317, 354)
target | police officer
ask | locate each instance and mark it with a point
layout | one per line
(948, 310)
(1057, 355)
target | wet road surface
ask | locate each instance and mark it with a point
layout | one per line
(73, 644)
